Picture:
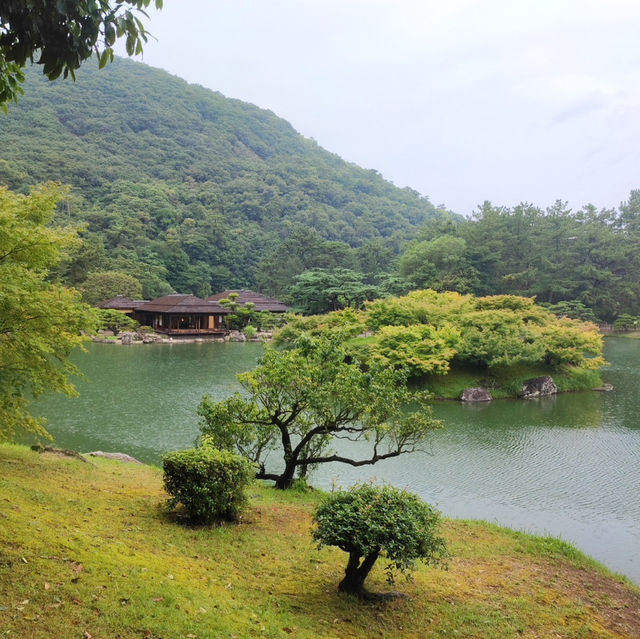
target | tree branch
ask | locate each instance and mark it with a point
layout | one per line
(261, 474)
(352, 462)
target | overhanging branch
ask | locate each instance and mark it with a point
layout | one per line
(353, 462)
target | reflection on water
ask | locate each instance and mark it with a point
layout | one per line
(568, 466)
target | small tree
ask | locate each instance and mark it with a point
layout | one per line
(626, 322)
(367, 521)
(116, 321)
(303, 400)
(241, 314)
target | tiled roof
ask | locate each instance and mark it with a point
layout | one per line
(120, 301)
(184, 304)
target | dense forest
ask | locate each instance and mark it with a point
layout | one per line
(178, 188)
(584, 264)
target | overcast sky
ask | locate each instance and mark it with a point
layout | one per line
(462, 100)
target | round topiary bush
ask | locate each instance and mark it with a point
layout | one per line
(209, 483)
(367, 521)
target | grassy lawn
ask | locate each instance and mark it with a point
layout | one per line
(86, 550)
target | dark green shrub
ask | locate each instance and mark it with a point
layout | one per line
(209, 483)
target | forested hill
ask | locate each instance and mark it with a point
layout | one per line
(188, 190)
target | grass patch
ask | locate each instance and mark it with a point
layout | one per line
(89, 548)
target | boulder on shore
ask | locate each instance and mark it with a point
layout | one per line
(538, 387)
(119, 456)
(477, 394)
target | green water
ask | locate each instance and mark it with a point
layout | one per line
(141, 399)
(567, 466)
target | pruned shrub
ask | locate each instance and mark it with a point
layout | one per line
(209, 483)
(367, 521)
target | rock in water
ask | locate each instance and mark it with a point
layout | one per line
(538, 387)
(477, 394)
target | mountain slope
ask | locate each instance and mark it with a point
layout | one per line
(187, 189)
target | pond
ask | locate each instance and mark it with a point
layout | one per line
(567, 466)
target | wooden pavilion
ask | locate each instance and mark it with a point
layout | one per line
(178, 314)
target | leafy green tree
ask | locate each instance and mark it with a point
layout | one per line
(242, 314)
(573, 309)
(348, 323)
(64, 34)
(88, 257)
(299, 401)
(304, 250)
(40, 322)
(440, 264)
(427, 332)
(626, 322)
(418, 307)
(101, 286)
(367, 521)
(323, 290)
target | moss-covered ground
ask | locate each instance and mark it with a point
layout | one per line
(87, 551)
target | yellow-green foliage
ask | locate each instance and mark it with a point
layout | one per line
(432, 333)
(88, 548)
(420, 347)
(418, 307)
(348, 322)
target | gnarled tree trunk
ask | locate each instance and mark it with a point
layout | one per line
(285, 480)
(356, 572)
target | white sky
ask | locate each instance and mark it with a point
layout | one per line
(462, 100)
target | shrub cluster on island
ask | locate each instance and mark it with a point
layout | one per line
(449, 342)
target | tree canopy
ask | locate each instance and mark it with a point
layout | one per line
(40, 322)
(300, 401)
(63, 35)
(103, 285)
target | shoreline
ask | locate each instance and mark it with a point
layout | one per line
(155, 338)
